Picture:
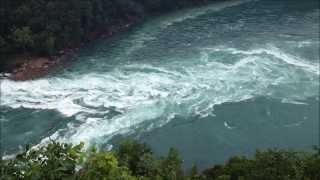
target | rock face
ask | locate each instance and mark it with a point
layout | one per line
(34, 67)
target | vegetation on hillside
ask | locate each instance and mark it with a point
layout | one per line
(135, 161)
(43, 27)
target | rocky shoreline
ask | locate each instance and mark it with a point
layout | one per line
(30, 67)
(37, 67)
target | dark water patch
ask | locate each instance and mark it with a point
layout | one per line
(238, 128)
(23, 126)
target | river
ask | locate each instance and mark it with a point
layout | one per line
(214, 81)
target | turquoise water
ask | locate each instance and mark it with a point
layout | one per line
(213, 82)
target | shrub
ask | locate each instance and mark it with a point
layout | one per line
(135, 161)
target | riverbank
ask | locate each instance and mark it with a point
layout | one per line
(23, 67)
(48, 41)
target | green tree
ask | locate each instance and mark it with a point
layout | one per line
(59, 161)
(104, 166)
(194, 174)
(50, 44)
(137, 157)
(3, 44)
(311, 167)
(23, 37)
(171, 166)
(52, 162)
(276, 165)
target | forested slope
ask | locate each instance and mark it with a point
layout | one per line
(43, 27)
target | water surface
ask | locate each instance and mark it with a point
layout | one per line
(213, 82)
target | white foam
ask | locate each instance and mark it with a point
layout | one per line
(143, 97)
(227, 125)
(196, 12)
(139, 38)
(276, 52)
(130, 96)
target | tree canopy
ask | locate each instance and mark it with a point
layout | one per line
(46, 26)
(131, 160)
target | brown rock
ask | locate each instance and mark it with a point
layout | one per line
(33, 68)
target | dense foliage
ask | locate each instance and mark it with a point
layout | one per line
(45, 26)
(134, 161)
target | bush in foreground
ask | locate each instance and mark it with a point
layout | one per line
(134, 161)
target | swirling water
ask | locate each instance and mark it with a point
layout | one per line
(212, 81)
